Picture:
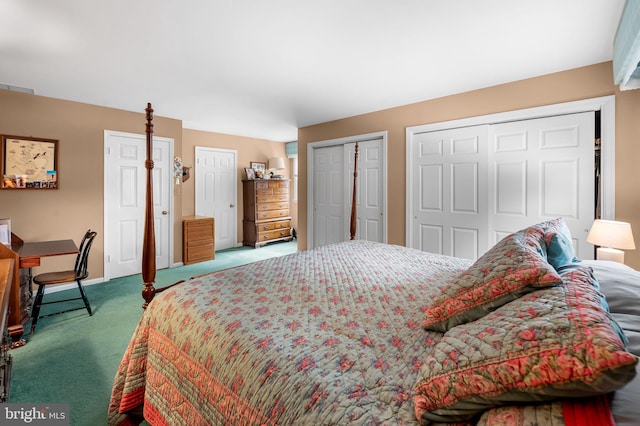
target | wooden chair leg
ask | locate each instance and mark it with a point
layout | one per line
(84, 297)
(35, 310)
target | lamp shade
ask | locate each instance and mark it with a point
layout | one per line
(611, 234)
(276, 163)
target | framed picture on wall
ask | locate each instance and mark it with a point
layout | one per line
(29, 163)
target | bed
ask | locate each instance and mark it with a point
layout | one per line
(366, 333)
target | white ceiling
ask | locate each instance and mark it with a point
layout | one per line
(264, 68)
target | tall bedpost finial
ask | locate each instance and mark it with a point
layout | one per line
(353, 201)
(149, 238)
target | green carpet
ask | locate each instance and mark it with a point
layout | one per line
(72, 357)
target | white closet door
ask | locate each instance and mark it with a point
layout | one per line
(450, 199)
(370, 223)
(328, 195)
(543, 169)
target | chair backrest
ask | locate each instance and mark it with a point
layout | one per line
(83, 254)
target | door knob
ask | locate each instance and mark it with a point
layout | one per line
(231, 205)
(165, 212)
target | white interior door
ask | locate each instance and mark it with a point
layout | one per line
(450, 205)
(328, 196)
(370, 204)
(216, 192)
(543, 169)
(125, 188)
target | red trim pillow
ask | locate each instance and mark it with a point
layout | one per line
(514, 266)
(552, 343)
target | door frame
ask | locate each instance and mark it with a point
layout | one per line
(606, 106)
(107, 222)
(311, 147)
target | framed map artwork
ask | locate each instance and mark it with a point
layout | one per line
(29, 163)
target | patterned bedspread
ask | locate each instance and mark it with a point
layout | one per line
(331, 336)
(326, 336)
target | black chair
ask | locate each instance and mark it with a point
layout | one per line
(78, 274)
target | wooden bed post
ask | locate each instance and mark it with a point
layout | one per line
(149, 238)
(353, 201)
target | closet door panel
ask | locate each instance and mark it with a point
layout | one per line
(449, 172)
(543, 169)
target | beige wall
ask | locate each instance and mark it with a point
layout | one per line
(249, 149)
(67, 212)
(78, 204)
(582, 83)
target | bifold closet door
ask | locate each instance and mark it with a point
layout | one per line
(449, 183)
(328, 195)
(472, 186)
(333, 192)
(543, 169)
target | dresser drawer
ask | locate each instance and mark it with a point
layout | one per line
(273, 206)
(198, 252)
(199, 231)
(272, 198)
(271, 235)
(272, 214)
(270, 226)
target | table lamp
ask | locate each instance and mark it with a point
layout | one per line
(276, 163)
(612, 237)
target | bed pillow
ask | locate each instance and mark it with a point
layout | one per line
(559, 245)
(619, 283)
(552, 343)
(514, 266)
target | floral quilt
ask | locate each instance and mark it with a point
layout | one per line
(326, 336)
(331, 336)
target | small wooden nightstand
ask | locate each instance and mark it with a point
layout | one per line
(198, 242)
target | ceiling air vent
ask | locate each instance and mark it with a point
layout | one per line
(17, 89)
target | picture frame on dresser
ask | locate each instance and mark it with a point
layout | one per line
(29, 163)
(5, 231)
(251, 174)
(258, 166)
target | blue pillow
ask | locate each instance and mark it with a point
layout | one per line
(557, 238)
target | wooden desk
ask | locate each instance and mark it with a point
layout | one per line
(27, 255)
(30, 253)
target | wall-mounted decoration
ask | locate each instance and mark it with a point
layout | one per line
(177, 169)
(29, 163)
(180, 172)
(186, 173)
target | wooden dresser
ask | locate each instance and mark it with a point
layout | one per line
(6, 280)
(266, 211)
(198, 242)
(21, 296)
